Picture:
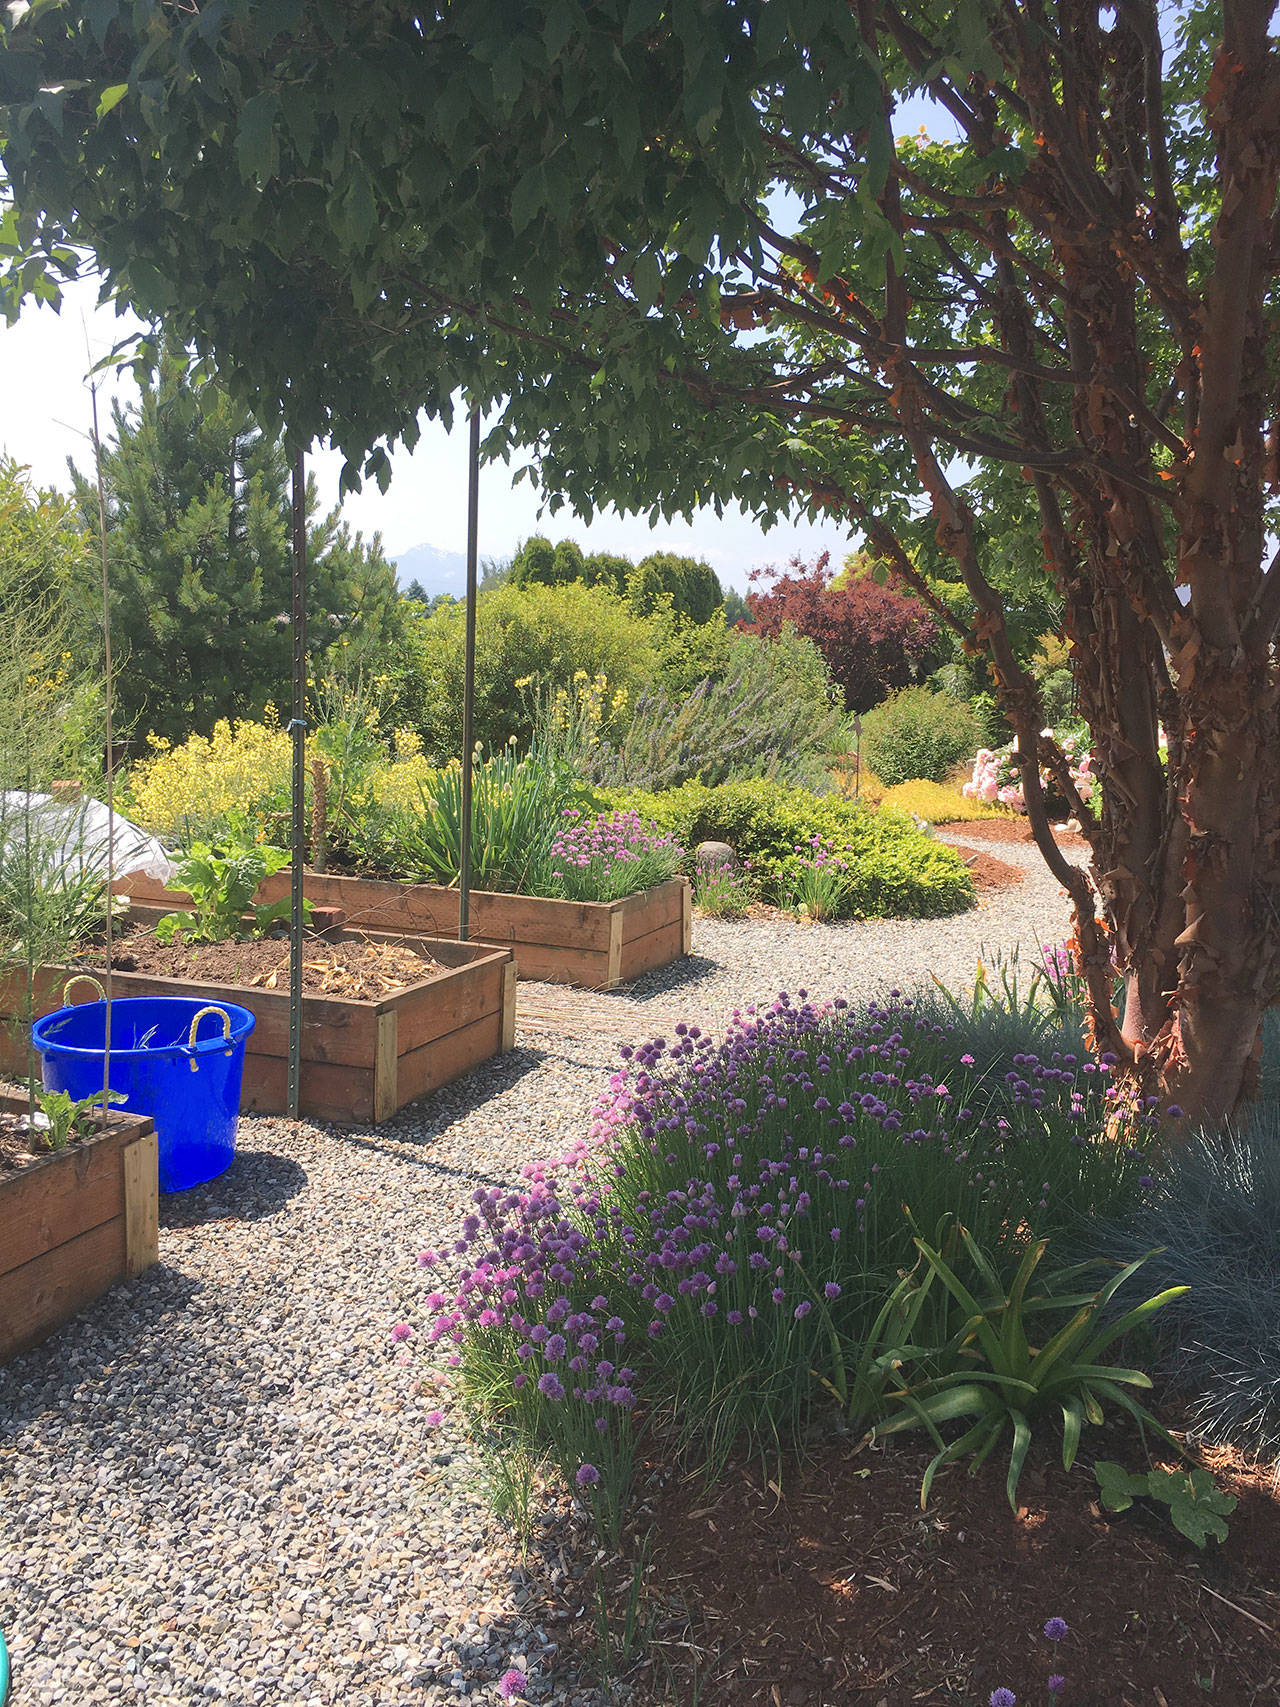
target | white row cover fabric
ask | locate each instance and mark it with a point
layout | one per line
(72, 833)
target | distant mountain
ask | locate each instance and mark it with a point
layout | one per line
(438, 571)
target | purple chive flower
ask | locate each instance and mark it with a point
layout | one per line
(550, 1385)
(433, 1419)
(832, 1289)
(1057, 1683)
(587, 1476)
(1055, 1629)
(401, 1331)
(511, 1685)
(1003, 1698)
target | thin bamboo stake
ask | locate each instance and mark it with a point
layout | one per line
(110, 737)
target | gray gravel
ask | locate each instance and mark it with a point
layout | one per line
(220, 1483)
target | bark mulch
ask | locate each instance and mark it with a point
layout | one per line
(824, 1585)
(1012, 831)
(988, 873)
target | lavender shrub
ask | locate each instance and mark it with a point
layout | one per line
(737, 1215)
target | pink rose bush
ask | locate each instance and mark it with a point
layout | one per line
(997, 777)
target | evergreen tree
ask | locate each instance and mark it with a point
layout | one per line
(199, 523)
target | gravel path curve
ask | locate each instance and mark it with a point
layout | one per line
(223, 1481)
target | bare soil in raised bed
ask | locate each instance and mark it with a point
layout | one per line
(823, 1584)
(356, 970)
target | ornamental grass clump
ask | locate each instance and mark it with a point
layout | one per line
(605, 857)
(730, 1230)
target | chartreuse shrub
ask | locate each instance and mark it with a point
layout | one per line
(917, 734)
(524, 635)
(722, 1246)
(938, 803)
(891, 870)
(190, 792)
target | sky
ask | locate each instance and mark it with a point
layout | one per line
(45, 417)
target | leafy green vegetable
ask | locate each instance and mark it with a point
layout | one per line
(222, 878)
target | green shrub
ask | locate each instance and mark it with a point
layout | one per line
(917, 733)
(748, 724)
(524, 636)
(893, 871)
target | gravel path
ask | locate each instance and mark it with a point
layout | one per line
(222, 1483)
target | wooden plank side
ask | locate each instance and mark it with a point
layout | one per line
(60, 1198)
(327, 1092)
(385, 1066)
(447, 1058)
(451, 1000)
(141, 1204)
(416, 908)
(508, 1006)
(658, 948)
(588, 967)
(375, 903)
(661, 905)
(332, 1029)
(44, 1293)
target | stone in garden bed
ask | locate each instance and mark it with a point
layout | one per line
(595, 944)
(363, 1058)
(73, 1222)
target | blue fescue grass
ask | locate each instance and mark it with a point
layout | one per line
(1214, 1222)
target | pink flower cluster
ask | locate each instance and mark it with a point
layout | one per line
(997, 776)
(614, 854)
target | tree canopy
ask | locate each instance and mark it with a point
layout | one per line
(692, 586)
(685, 250)
(874, 638)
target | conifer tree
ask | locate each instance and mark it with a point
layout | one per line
(199, 528)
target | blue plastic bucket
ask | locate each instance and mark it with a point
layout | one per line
(176, 1059)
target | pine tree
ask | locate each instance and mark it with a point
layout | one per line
(199, 531)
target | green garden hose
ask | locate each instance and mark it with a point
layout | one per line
(4, 1671)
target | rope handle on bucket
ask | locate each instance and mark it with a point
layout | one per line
(223, 1015)
(83, 978)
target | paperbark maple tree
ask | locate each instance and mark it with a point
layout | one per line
(681, 248)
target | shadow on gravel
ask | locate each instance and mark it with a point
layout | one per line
(669, 980)
(419, 1125)
(257, 1184)
(113, 1328)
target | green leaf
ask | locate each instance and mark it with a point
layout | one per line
(527, 198)
(1017, 1457)
(256, 147)
(111, 98)
(354, 215)
(564, 20)
(1117, 1486)
(1196, 1522)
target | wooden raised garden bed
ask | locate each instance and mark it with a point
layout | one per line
(361, 1060)
(72, 1225)
(595, 944)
